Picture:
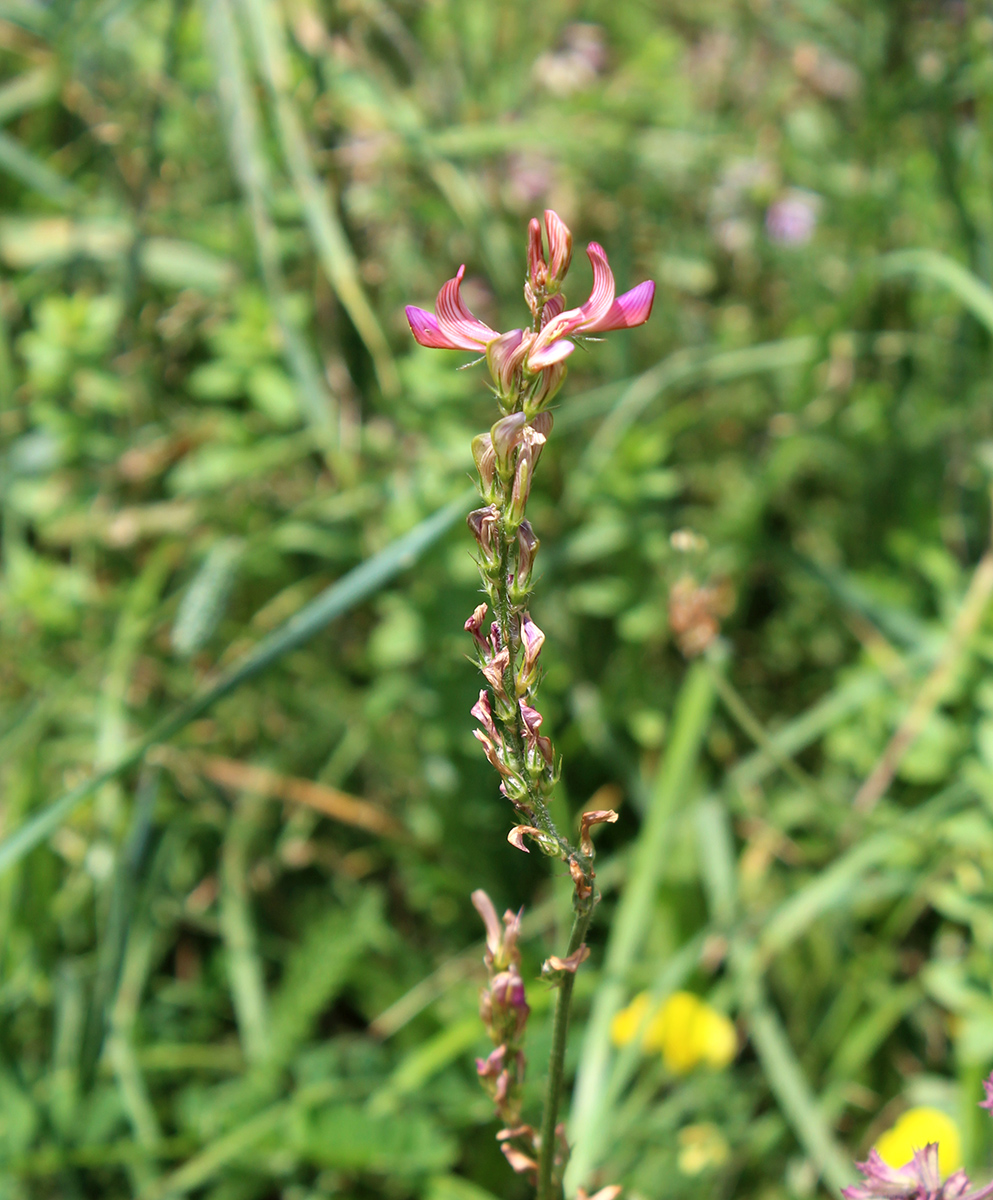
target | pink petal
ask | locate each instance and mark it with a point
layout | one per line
(559, 244)
(574, 320)
(425, 330)
(550, 355)
(602, 295)
(553, 306)
(455, 320)
(494, 931)
(633, 308)
(536, 254)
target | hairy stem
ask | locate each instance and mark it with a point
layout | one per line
(548, 1189)
(505, 612)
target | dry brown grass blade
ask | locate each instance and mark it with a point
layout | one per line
(340, 806)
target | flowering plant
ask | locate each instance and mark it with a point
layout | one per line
(920, 1178)
(528, 367)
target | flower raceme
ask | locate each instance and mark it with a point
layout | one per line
(532, 356)
(528, 368)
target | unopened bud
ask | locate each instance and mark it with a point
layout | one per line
(520, 492)
(504, 356)
(527, 548)
(537, 266)
(481, 711)
(494, 670)
(484, 523)
(474, 626)
(549, 381)
(485, 459)
(532, 639)
(505, 435)
(539, 749)
(559, 246)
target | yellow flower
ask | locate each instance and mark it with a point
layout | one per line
(914, 1130)
(701, 1147)
(685, 1030)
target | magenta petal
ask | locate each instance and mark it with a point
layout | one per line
(550, 355)
(425, 329)
(455, 320)
(633, 308)
(602, 295)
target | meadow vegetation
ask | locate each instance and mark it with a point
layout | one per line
(242, 807)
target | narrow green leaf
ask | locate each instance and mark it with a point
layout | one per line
(930, 264)
(34, 173)
(634, 912)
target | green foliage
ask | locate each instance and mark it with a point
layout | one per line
(221, 457)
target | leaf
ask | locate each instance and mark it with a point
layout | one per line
(345, 1137)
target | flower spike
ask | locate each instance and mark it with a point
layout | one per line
(528, 367)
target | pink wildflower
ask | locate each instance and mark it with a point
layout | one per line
(453, 327)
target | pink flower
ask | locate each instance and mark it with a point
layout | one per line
(920, 1179)
(452, 327)
(601, 312)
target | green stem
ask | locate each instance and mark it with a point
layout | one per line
(505, 612)
(556, 1061)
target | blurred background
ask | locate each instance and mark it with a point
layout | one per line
(246, 964)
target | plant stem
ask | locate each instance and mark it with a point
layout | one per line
(556, 1060)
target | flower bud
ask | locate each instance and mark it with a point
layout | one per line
(514, 513)
(532, 639)
(493, 671)
(481, 711)
(559, 245)
(494, 753)
(504, 356)
(537, 266)
(549, 381)
(539, 748)
(509, 1005)
(505, 435)
(484, 524)
(474, 624)
(485, 459)
(527, 548)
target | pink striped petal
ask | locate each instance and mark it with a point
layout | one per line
(559, 244)
(536, 254)
(633, 308)
(602, 295)
(455, 320)
(425, 329)
(576, 320)
(550, 355)
(553, 306)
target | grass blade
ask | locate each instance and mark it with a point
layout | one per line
(33, 173)
(329, 237)
(930, 264)
(634, 911)
(251, 168)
